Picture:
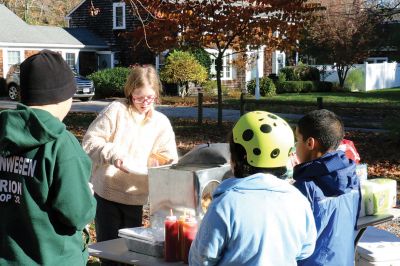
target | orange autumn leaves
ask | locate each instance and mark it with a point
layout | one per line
(221, 24)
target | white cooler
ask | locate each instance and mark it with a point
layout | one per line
(378, 247)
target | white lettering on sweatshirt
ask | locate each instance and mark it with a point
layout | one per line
(9, 186)
(18, 165)
(10, 191)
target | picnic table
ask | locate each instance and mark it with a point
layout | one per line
(372, 220)
(116, 249)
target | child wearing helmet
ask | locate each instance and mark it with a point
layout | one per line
(256, 218)
(328, 179)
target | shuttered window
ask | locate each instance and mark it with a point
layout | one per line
(70, 59)
(226, 73)
(119, 15)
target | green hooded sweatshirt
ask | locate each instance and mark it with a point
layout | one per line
(45, 199)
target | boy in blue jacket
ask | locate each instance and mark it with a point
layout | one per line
(255, 217)
(328, 179)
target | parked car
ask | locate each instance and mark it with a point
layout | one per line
(85, 89)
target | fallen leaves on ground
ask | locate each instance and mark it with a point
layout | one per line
(380, 151)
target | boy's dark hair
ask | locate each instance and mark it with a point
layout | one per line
(323, 125)
(240, 166)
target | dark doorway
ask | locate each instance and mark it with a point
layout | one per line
(87, 63)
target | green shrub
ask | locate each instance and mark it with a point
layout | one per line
(354, 80)
(303, 86)
(267, 87)
(308, 86)
(201, 55)
(110, 82)
(234, 93)
(305, 72)
(182, 68)
(300, 72)
(289, 86)
(289, 73)
(210, 88)
(281, 77)
(324, 86)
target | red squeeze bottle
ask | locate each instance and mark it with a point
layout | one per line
(189, 234)
(171, 245)
(181, 221)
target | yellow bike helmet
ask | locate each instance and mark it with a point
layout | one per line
(266, 137)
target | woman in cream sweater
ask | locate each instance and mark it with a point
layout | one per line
(128, 136)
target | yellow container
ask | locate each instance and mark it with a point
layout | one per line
(378, 195)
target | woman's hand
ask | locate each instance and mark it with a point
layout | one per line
(118, 163)
(153, 162)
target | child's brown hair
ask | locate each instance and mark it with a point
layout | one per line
(138, 77)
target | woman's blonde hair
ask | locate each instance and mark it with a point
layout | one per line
(139, 76)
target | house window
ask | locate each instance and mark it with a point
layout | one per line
(14, 57)
(160, 59)
(70, 59)
(226, 73)
(280, 61)
(119, 15)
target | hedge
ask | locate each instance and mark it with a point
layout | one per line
(110, 82)
(301, 72)
(267, 87)
(303, 86)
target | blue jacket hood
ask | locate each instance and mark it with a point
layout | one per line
(333, 173)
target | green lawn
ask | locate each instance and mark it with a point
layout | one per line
(384, 97)
(387, 97)
(373, 109)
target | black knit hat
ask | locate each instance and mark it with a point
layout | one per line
(45, 78)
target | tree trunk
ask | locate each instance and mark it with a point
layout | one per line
(26, 11)
(339, 70)
(342, 74)
(185, 90)
(218, 68)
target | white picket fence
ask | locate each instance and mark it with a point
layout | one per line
(376, 76)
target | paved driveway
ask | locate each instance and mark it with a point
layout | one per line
(170, 111)
(77, 105)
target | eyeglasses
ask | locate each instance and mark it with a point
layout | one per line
(146, 99)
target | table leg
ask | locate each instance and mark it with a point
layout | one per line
(358, 236)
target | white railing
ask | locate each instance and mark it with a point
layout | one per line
(376, 75)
